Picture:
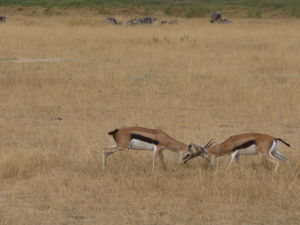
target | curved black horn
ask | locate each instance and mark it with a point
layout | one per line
(199, 148)
(210, 143)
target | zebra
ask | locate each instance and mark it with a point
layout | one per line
(225, 21)
(215, 17)
(111, 20)
(134, 21)
(2, 19)
(145, 20)
(148, 20)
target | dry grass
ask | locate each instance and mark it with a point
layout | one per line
(194, 80)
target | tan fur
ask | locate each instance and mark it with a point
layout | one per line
(263, 144)
(123, 140)
(263, 141)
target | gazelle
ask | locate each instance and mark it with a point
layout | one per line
(242, 144)
(139, 138)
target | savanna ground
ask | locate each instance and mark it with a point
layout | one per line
(194, 80)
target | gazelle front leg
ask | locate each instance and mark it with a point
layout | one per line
(234, 157)
(181, 155)
(212, 159)
(161, 157)
(107, 152)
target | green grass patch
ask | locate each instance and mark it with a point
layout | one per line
(187, 8)
(196, 12)
(255, 13)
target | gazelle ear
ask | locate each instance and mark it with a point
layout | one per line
(196, 147)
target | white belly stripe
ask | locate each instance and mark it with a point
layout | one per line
(136, 144)
(251, 150)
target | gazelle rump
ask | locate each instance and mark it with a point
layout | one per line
(242, 144)
(140, 138)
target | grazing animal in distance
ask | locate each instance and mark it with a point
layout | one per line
(242, 144)
(215, 17)
(148, 20)
(169, 22)
(140, 138)
(111, 20)
(2, 19)
(145, 20)
(134, 21)
(225, 21)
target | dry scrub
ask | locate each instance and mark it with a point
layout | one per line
(194, 80)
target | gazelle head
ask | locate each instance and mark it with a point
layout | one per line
(199, 151)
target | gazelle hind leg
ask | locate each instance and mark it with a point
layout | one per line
(237, 158)
(278, 155)
(268, 155)
(281, 157)
(272, 159)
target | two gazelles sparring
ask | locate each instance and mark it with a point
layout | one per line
(139, 138)
(242, 144)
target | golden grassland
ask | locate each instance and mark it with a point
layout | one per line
(194, 80)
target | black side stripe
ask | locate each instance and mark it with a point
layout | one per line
(113, 132)
(244, 145)
(143, 138)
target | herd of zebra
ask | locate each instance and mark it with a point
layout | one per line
(216, 17)
(136, 21)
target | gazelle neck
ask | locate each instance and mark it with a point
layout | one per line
(213, 149)
(177, 146)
